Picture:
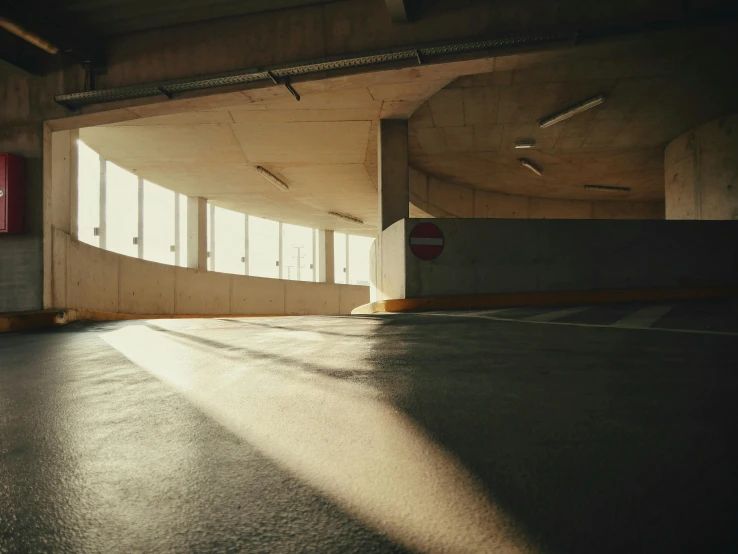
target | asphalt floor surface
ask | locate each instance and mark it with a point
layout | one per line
(592, 429)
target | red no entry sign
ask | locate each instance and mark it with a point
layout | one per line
(426, 241)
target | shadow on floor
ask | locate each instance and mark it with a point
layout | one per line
(592, 440)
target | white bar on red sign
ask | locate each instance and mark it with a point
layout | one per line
(426, 242)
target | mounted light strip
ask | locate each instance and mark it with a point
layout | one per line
(530, 165)
(273, 179)
(525, 144)
(607, 188)
(28, 36)
(574, 110)
(346, 217)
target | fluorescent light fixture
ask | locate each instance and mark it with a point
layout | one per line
(28, 36)
(346, 217)
(525, 144)
(607, 188)
(273, 179)
(574, 110)
(530, 165)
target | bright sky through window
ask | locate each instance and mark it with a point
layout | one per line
(161, 234)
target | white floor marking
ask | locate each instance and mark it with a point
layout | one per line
(645, 317)
(491, 318)
(557, 314)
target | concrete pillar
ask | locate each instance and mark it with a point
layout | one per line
(102, 181)
(60, 161)
(197, 233)
(211, 241)
(140, 233)
(701, 172)
(394, 173)
(177, 244)
(280, 261)
(246, 268)
(327, 257)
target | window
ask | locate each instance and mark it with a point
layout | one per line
(358, 270)
(263, 247)
(230, 241)
(121, 210)
(158, 224)
(181, 216)
(297, 252)
(237, 243)
(88, 195)
(339, 257)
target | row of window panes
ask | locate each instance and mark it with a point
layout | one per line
(226, 233)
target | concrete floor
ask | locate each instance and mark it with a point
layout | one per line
(537, 430)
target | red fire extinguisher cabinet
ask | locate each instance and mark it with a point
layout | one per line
(12, 193)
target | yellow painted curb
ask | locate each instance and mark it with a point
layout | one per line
(27, 321)
(491, 301)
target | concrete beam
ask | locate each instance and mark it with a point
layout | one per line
(394, 172)
(177, 242)
(211, 237)
(398, 10)
(59, 206)
(102, 229)
(140, 234)
(327, 257)
(197, 233)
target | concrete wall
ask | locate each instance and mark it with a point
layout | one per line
(444, 199)
(387, 258)
(487, 256)
(95, 279)
(701, 172)
(21, 257)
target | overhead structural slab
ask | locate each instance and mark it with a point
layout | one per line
(398, 10)
(394, 177)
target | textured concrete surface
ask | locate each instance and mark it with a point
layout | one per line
(445, 199)
(465, 133)
(701, 172)
(91, 278)
(488, 256)
(455, 432)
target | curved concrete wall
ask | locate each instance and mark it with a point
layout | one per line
(701, 172)
(95, 279)
(448, 200)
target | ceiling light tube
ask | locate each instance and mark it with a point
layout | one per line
(530, 165)
(346, 217)
(607, 188)
(525, 144)
(28, 36)
(273, 179)
(574, 110)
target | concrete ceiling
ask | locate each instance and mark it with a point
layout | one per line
(324, 147)
(110, 17)
(466, 132)
(462, 130)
